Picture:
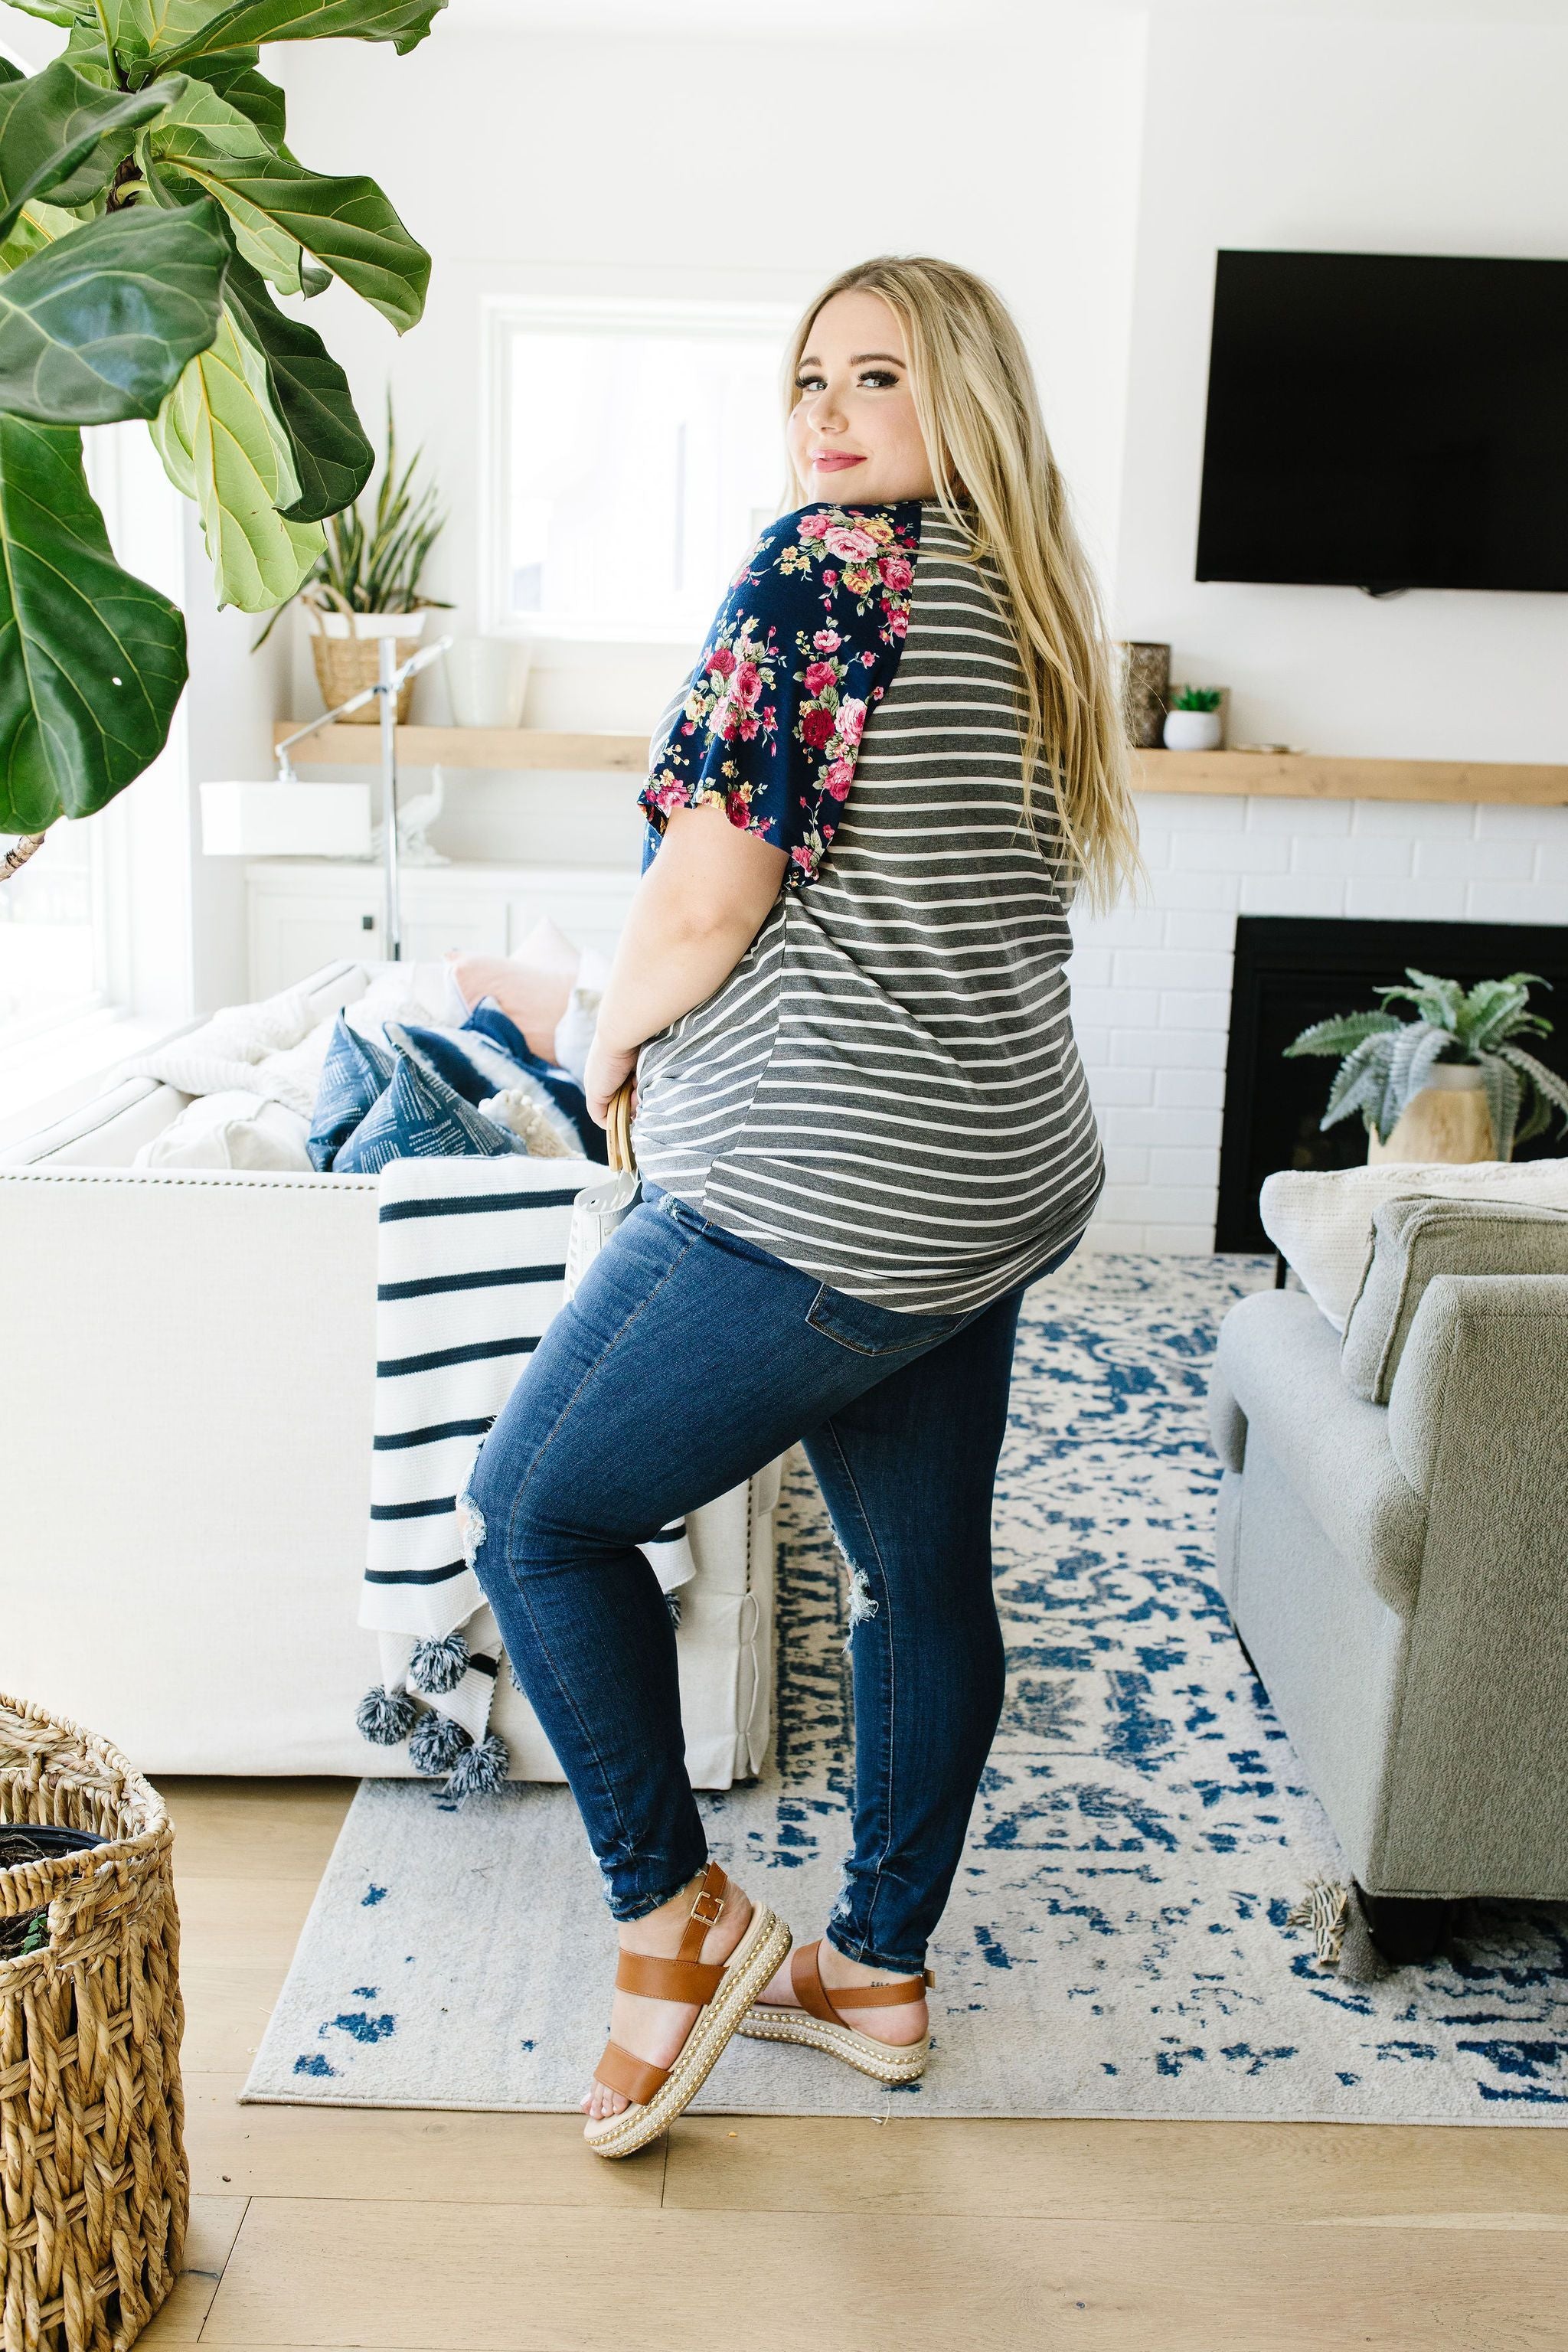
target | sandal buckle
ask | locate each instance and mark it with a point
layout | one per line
(708, 1918)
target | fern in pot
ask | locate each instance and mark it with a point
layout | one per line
(1453, 1084)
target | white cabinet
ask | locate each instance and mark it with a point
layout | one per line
(306, 912)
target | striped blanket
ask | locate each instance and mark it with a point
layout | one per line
(470, 1268)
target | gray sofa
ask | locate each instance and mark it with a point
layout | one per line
(1393, 1544)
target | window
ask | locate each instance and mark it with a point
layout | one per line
(636, 451)
(89, 920)
(49, 941)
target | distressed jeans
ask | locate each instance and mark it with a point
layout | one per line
(687, 1359)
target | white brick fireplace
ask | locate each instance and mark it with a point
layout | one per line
(1151, 983)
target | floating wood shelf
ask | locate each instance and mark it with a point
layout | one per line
(1303, 776)
(469, 747)
(1275, 776)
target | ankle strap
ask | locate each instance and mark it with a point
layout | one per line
(806, 1981)
(707, 1908)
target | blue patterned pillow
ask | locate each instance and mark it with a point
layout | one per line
(419, 1117)
(472, 1062)
(559, 1084)
(354, 1075)
(489, 1054)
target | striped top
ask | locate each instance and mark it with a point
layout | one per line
(886, 1092)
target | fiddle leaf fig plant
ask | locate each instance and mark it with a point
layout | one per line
(150, 211)
(1385, 1061)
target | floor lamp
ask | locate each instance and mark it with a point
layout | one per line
(393, 675)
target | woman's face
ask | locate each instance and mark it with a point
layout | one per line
(854, 436)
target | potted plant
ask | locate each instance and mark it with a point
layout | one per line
(151, 207)
(1193, 722)
(1453, 1084)
(365, 584)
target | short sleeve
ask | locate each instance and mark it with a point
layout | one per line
(803, 645)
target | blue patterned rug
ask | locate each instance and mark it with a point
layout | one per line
(1117, 1943)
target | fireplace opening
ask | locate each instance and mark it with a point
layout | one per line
(1291, 970)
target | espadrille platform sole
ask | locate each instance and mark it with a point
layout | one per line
(820, 2025)
(883, 2061)
(755, 1960)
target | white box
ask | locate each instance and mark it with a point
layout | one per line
(248, 820)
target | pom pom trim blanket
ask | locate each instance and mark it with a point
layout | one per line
(471, 1271)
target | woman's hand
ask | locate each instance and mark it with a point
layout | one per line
(608, 1069)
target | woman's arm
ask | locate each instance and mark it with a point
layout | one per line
(697, 911)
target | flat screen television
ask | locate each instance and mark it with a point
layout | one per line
(1387, 421)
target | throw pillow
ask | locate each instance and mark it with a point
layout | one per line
(354, 1076)
(1416, 1238)
(531, 986)
(1321, 1222)
(420, 1117)
(490, 1057)
(229, 1129)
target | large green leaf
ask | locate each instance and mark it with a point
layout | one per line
(92, 660)
(235, 79)
(311, 395)
(404, 22)
(102, 324)
(224, 446)
(63, 137)
(347, 224)
(57, 12)
(143, 29)
(38, 225)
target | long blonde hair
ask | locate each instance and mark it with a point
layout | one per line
(997, 481)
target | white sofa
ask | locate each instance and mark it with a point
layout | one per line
(185, 1395)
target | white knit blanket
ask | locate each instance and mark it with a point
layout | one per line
(471, 1269)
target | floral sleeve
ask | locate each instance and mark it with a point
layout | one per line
(804, 644)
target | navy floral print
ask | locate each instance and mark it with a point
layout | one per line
(807, 642)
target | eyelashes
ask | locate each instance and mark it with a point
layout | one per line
(868, 379)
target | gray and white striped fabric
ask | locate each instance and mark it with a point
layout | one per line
(886, 1093)
(470, 1270)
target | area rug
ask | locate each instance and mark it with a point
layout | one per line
(1117, 1944)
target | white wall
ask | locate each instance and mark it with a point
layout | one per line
(1337, 133)
(688, 167)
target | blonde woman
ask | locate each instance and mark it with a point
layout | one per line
(863, 1131)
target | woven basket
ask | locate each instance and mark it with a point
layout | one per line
(94, 2186)
(347, 666)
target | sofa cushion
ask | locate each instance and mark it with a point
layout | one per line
(1320, 1223)
(420, 1116)
(230, 1129)
(1278, 1363)
(1416, 1238)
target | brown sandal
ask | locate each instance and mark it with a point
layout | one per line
(818, 2024)
(725, 1988)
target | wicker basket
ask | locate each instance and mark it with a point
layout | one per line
(347, 666)
(94, 2187)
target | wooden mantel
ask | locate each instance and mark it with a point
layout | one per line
(1303, 776)
(1274, 775)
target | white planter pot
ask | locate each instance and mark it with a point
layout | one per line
(1192, 731)
(366, 624)
(487, 678)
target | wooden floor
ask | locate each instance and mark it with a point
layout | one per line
(417, 2232)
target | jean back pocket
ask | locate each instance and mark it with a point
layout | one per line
(870, 1330)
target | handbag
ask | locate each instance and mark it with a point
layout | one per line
(599, 1208)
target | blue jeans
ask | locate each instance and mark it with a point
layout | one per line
(687, 1359)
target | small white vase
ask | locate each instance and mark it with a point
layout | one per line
(1192, 731)
(487, 678)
